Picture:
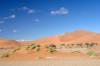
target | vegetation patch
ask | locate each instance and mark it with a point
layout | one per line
(92, 53)
(51, 48)
(4, 55)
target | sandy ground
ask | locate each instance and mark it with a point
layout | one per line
(54, 62)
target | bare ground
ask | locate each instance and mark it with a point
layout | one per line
(53, 62)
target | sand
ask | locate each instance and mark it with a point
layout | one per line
(54, 62)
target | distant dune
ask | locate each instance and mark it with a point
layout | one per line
(13, 43)
(78, 36)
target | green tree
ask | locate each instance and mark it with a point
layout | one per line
(51, 48)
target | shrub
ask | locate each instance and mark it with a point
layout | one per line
(4, 55)
(51, 48)
(76, 51)
(15, 49)
(62, 44)
(36, 47)
(33, 46)
(92, 53)
(25, 47)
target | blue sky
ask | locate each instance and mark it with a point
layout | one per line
(33, 19)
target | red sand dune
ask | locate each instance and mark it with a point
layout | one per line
(25, 43)
(12, 43)
(77, 36)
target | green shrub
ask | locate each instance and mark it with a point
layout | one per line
(33, 46)
(36, 47)
(51, 48)
(92, 53)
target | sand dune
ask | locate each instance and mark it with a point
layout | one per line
(4, 42)
(77, 36)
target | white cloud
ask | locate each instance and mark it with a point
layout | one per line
(14, 30)
(37, 20)
(13, 16)
(60, 11)
(26, 9)
(23, 8)
(5, 18)
(0, 30)
(30, 11)
(1, 22)
(23, 40)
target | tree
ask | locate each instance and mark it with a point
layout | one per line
(37, 48)
(33, 46)
(87, 45)
(93, 44)
(51, 48)
(72, 45)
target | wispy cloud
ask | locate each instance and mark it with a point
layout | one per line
(27, 9)
(60, 11)
(36, 20)
(14, 30)
(5, 18)
(0, 30)
(1, 22)
(24, 8)
(31, 11)
(13, 16)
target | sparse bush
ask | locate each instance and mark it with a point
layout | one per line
(76, 51)
(39, 57)
(33, 46)
(36, 47)
(92, 53)
(51, 48)
(62, 44)
(15, 49)
(4, 55)
(26, 47)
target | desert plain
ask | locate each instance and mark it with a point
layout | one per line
(78, 48)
